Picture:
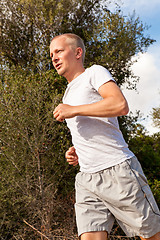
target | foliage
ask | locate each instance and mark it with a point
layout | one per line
(116, 41)
(155, 187)
(147, 150)
(130, 127)
(111, 39)
(27, 27)
(33, 170)
(156, 117)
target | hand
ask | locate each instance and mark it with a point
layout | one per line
(71, 156)
(63, 111)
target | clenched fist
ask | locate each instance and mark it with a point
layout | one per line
(63, 111)
(71, 156)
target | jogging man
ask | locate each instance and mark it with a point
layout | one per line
(111, 184)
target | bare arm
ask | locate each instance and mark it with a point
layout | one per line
(113, 104)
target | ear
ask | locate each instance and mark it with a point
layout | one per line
(79, 52)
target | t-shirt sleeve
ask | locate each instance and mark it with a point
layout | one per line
(99, 76)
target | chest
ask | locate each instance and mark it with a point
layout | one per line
(81, 93)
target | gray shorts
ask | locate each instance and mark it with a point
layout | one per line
(120, 192)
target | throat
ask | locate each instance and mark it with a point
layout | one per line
(75, 75)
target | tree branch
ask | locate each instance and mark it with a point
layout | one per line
(35, 229)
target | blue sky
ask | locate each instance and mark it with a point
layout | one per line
(148, 65)
(148, 11)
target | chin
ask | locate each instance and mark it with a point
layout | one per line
(60, 72)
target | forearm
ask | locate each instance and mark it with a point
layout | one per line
(113, 104)
(104, 108)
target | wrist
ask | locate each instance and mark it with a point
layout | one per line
(79, 110)
(75, 110)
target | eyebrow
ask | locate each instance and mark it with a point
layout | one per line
(56, 50)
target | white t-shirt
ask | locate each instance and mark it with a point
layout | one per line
(98, 141)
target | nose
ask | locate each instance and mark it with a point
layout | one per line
(54, 58)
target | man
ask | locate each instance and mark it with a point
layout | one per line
(111, 184)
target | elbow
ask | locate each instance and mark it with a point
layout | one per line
(124, 109)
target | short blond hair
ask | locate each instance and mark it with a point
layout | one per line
(75, 41)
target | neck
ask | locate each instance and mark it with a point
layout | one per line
(75, 74)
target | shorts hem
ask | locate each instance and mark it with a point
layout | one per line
(135, 234)
(150, 234)
(99, 229)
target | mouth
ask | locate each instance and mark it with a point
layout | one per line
(58, 66)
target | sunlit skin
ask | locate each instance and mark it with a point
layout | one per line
(68, 63)
(71, 156)
(155, 237)
(66, 60)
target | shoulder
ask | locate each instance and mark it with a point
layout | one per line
(98, 75)
(96, 67)
(98, 70)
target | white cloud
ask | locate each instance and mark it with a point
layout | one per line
(148, 88)
(148, 65)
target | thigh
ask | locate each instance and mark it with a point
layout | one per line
(155, 237)
(92, 214)
(133, 204)
(94, 236)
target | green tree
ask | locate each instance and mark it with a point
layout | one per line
(36, 183)
(156, 117)
(116, 41)
(27, 27)
(130, 127)
(147, 150)
(33, 170)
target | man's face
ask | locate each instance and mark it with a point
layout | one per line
(63, 56)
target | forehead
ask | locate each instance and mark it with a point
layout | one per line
(58, 42)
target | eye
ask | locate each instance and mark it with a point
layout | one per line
(60, 50)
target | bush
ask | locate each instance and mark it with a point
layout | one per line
(33, 169)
